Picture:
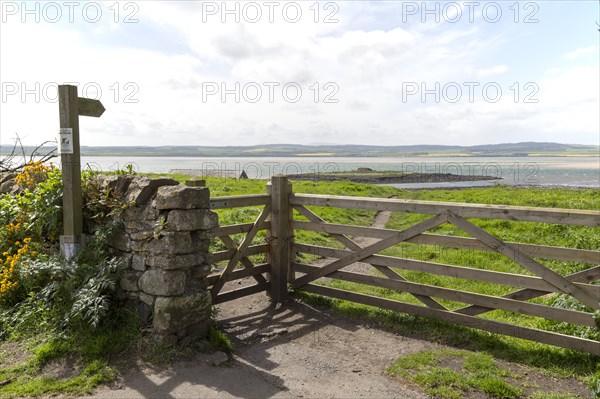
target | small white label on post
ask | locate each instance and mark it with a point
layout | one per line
(65, 141)
(69, 250)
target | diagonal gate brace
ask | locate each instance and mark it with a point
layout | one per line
(372, 249)
(230, 244)
(241, 249)
(350, 244)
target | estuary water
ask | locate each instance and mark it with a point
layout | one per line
(542, 171)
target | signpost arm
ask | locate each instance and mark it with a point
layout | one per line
(71, 173)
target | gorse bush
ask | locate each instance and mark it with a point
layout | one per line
(36, 284)
(33, 174)
(29, 223)
(36, 212)
(9, 262)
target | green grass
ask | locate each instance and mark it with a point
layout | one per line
(28, 379)
(454, 374)
(27, 384)
(91, 349)
(218, 340)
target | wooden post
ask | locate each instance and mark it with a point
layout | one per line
(195, 182)
(70, 241)
(70, 106)
(280, 254)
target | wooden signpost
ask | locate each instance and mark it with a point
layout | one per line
(70, 107)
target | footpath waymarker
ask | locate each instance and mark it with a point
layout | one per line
(70, 106)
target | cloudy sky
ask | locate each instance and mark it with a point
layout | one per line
(352, 72)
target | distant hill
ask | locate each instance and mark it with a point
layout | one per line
(342, 150)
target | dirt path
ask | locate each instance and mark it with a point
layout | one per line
(289, 351)
(307, 352)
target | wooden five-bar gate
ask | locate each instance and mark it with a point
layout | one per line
(280, 272)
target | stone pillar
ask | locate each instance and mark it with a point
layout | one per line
(165, 241)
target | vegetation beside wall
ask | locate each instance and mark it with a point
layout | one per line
(51, 308)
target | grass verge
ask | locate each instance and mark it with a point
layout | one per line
(454, 374)
(63, 363)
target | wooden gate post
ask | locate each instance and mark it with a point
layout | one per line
(281, 237)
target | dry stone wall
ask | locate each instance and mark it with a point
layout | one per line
(164, 242)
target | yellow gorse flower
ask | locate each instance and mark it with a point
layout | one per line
(33, 174)
(9, 263)
(14, 244)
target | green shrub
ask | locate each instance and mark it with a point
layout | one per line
(36, 285)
